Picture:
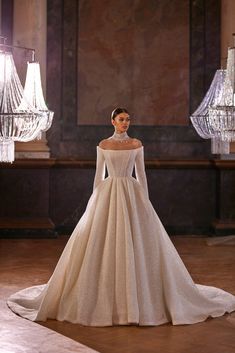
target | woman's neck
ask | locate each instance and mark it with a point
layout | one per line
(122, 136)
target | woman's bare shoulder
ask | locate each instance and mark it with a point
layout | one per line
(104, 143)
(136, 143)
(109, 144)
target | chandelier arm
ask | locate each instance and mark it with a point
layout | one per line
(18, 47)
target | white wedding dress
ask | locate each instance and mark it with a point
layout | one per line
(119, 266)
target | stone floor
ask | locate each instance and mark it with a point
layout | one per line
(28, 262)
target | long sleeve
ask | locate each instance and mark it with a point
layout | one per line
(140, 170)
(100, 168)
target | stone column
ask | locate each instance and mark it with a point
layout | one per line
(30, 30)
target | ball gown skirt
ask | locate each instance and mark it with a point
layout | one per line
(119, 266)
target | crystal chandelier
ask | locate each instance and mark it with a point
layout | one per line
(23, 112)
(222, 116)
(34, 95)
(215, 116)
(201, 120)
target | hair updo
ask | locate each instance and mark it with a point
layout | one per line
(117, 111)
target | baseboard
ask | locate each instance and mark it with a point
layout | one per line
(40, 227)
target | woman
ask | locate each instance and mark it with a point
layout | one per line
(119, 266)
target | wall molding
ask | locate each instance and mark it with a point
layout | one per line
(91, 164)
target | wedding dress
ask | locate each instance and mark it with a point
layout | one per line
(119, 266)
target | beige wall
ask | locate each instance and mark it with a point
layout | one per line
(136, 58)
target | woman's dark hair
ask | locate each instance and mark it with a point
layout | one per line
(117, 111)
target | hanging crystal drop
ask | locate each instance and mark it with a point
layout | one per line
(219, 147)
(7, 151)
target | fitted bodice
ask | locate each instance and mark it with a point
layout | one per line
(120, 163)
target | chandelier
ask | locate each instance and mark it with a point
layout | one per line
(23, 111)
(222, 116)
(215, 117)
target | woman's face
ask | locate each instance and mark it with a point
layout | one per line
(121, 122)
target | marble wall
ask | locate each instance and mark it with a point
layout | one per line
(84, 58)
(205, 34)
(134, 54)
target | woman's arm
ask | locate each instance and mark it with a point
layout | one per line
(140, 170)
(100, 168)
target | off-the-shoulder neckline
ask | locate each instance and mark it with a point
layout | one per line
(131, 149)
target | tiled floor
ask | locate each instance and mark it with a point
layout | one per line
(27, 262)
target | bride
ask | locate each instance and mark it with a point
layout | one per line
(119, 266)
